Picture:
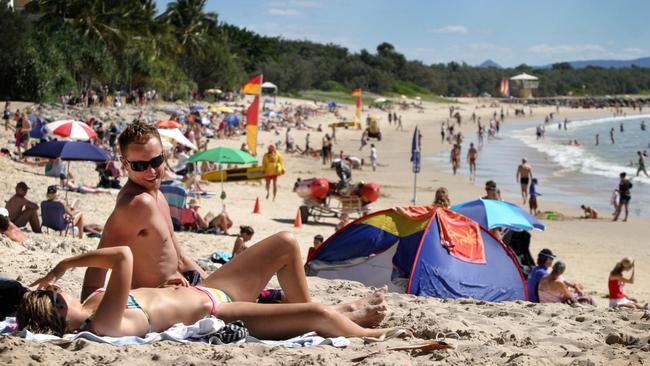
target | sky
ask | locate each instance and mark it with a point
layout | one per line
(510, 32)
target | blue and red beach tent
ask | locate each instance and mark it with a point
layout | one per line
(440, 253)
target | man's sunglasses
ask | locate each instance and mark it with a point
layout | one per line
(141, 166)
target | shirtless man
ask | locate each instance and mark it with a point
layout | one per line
(524, 175)
(23, 211)
(141, 220)
(455, 158)
(472, 154)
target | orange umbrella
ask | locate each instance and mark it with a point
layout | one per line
(168, 124)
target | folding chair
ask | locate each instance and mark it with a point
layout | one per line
(54, 217)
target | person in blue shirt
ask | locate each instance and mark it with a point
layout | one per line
(544, 262)
(532, 194)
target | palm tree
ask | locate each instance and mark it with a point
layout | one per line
(192, 27)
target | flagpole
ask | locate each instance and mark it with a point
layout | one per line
(415, 183)
(258, 108)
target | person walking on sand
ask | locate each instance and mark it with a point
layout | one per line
(624, 187)
(597, 138)
(472, 154)
(524, 175)
(615, 283)
(6, 115)
(373, 157)
(611, 135)
(533, 194)
(641, 168)
(273, 166)
(364, 139)
(455, 158)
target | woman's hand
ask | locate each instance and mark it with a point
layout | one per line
(50, 279)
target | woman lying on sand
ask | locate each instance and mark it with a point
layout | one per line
(119, 311)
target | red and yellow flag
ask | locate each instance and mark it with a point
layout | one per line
(252, 115)
(253, 86)
(357, 113)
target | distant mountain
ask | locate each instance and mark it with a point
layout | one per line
(489, 63)
(616, 64)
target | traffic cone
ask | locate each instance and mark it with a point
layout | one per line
(257, 206)
(298, 221)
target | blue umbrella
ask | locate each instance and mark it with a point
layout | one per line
(69, 150)
(492, 214)
(232, 119)
(196, 107)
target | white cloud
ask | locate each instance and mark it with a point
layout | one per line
(634, 50)
(459, 29)
(296, 3)
(567, 49)
(284, 12)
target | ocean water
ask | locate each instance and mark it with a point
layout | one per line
(575, 175)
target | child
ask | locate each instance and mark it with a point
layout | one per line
(532, 194)
(245, 234)
(318, 241)
(590, 213)
(618, 299)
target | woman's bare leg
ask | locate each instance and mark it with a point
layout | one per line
(282, 321)
(249, 272)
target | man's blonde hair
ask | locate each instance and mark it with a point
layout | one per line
(37, 314)
(136, 133)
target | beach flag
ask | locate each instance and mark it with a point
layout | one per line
(253, 86)
(504, 88)
(252, 115)
(356, 92)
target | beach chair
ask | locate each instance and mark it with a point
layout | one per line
(175, 197)
(53, 217)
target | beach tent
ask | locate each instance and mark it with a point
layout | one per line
(422, 251)
(270, 85)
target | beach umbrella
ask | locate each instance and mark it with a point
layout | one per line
(225, 109)
(232, 119)
(196, 107)
(380, 100)
(69, 151)
(214, 91)
(213, 110)
(168, 124)
(271, 114)
(71, 129)
(176, 135)
(224, 155)
(493, 214)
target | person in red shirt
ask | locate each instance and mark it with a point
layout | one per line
(617, 298)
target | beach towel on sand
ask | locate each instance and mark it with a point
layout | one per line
(202, 331)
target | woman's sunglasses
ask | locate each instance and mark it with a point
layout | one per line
(141, 166)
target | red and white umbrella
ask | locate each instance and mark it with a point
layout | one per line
(72, 129)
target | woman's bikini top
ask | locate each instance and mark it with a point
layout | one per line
(131, 303)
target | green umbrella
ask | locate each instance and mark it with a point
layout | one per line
(224, 155)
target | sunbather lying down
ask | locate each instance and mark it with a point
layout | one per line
(119, 311)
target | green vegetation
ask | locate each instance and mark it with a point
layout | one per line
(62, 46)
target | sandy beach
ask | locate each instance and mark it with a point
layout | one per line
(516, 333)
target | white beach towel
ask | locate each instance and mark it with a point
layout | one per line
(201, 331)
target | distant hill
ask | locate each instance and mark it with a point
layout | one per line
(489, 63)
(616, 64)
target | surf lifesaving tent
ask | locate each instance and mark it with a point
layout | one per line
(421, 250)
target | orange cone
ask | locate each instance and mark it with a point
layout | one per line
(257, 206)
(298, 221)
